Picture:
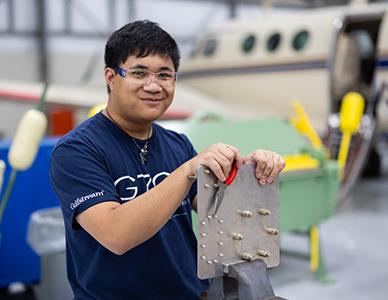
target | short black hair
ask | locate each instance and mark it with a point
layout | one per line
(140, 39)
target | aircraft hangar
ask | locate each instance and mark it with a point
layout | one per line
(305, 79)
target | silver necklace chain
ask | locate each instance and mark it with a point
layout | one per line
(143, 151)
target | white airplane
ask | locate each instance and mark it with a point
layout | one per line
(315, 56)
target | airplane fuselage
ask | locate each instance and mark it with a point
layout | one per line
(266, 63)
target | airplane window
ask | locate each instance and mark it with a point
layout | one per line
(248, 43)
(210, 47)
(301, 40)
(273, 41)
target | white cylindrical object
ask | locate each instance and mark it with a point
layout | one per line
(2, 169)
(26, 141)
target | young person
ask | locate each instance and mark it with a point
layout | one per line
(123, 181)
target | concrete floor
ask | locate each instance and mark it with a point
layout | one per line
(354, 246)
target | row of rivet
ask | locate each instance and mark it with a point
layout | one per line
(206, 185)
(244, 213)
(239, 237)
(214, 260)
(249, 257)
(245, 256)
(211, 261)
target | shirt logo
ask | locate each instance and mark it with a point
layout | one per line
(78, 201)
(130, 187)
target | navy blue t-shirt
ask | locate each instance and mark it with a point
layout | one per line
(99, 162)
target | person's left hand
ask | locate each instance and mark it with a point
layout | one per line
(268, 164)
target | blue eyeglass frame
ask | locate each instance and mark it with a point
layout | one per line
(122, 72)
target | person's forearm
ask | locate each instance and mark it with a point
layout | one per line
(139, 219)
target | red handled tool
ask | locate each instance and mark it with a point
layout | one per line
(221, 186)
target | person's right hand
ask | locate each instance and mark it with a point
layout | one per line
(218, 158)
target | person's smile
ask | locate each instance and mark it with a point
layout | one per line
(151, 99)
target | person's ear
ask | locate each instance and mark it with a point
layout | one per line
(110, 75)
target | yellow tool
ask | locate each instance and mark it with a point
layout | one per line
(96, 109)
(300, 162)
(302, 123)
(352, 109)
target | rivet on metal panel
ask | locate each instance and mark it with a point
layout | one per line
(245, 213)
(263, 253)
(220, 232)
(247, 256)
(264, 211)
(203, 246)
(272, 231)
(207, 171)
(220, 243)
(203, 234)
(206, 186)
(237, 236)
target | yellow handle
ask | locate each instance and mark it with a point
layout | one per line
(351, 113)
(300, 162)
(352, 109)
(314, 248)
(96, 109)
(302, 123)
